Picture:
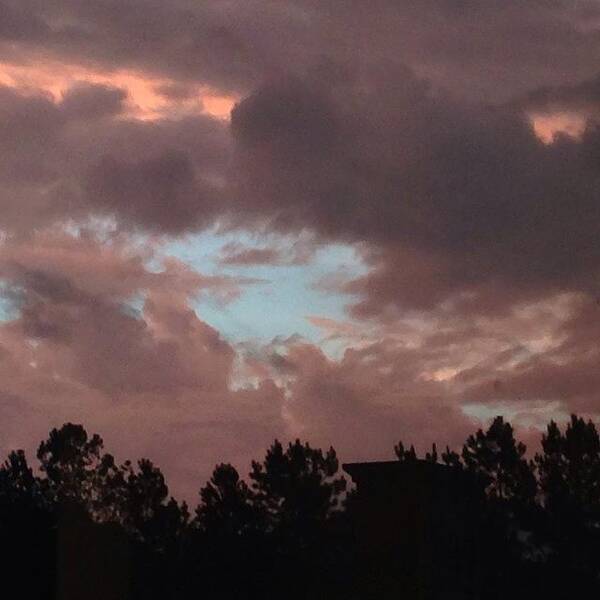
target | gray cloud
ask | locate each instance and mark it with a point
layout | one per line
(481, 49)
(92, 101)
(399, 128)
(452, 198)
(79, 157)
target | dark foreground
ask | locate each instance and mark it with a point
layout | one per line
(483, 523)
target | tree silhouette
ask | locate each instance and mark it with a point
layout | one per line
(148, 512)
(297, 489)
(293, 520)
(226, 509)
(298, 493)
(569, 475)
(403, 454)
(498, 462)
(109, 498)
(27, 530)
(499, 459)
(569, 470)
(229, 537)
(69, 460)
(18, 485)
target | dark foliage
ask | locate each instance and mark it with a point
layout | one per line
(83, 526)
(541, 523)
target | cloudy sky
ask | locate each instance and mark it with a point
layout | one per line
(223, 221)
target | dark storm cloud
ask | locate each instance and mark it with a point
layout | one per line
(79, 157)
(399, 128)
(448, 197)
(91, 101)
(476, 48)
(19, 23)
(451, 197)
(161, 192)
(582, 98)
(352, 144)
(29, 126)
(223, 44)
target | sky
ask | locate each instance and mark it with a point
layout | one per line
(227, 221)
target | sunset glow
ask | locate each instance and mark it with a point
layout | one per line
(223, 223)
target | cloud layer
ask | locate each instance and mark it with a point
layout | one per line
(454, 147)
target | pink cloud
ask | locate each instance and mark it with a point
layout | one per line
(355, 125)
(77, 353)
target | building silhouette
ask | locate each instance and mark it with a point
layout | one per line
(418, 527)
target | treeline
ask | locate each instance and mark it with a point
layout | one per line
(287, 530)
(542, 514)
